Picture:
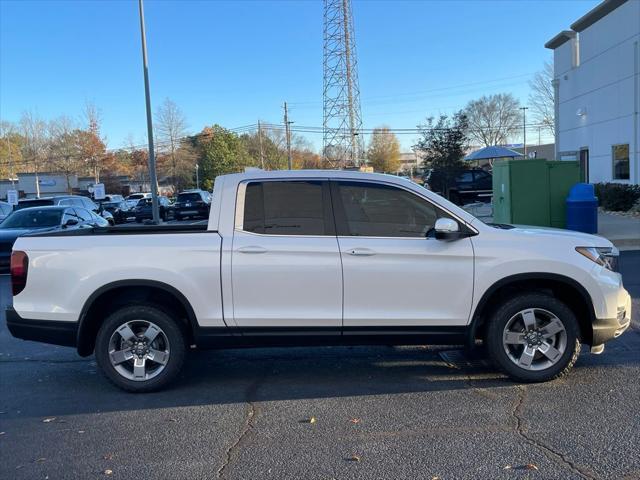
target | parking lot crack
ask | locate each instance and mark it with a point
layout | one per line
(552, 455)
(248, 425)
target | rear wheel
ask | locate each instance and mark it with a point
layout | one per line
(140, 348)
(534, 338)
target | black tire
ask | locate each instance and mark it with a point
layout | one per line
(506, 311)
(173, 332)
(177, 217)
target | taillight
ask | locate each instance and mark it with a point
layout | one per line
(19, 268)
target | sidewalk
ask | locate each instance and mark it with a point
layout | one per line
(624, 232)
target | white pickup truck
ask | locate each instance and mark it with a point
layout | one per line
(318, 258)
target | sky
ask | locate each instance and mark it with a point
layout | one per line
(236, 62)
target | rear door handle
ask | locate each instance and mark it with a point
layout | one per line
(361, 252)
(252, 249)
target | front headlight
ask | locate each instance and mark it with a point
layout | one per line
(604, 256)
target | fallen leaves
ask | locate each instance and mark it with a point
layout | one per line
(108, 472)
(49, 420)
(355, 420)
(354, 458)
(108, 456)
(528, 466)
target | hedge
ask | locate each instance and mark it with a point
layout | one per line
(617, 197)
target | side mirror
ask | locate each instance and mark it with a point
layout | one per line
(70, 223)
(447, 229)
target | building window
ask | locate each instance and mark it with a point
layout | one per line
(620, 155)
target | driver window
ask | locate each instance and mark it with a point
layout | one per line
(375, 210)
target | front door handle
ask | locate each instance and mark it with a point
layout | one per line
(361, 252)
(252, 249)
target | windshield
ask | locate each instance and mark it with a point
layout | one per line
(189, 197)
(111, 204)
(33, 218)
(135, 196)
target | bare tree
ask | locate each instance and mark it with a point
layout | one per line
(493, 119)
(35, 133)
(541, 97)
(65, 150)
(172, 129)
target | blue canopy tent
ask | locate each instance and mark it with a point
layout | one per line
(489, 153)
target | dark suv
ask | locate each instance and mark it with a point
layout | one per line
(192, 203)
(470, 186)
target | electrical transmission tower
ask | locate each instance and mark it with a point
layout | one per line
(343, 144)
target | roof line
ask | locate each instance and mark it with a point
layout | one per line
(560, 39)
(596, 14)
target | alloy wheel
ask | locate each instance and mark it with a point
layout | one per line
(534, 339)
(139, 350)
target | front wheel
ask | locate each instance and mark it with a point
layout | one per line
(533, 338)
(140, 348)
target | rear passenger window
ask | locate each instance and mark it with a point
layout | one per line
(284, 208)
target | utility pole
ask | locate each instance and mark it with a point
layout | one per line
(197, 176)
(260, 141)
(152, 156)
(288, 135)
(524, 129)
(10, 162)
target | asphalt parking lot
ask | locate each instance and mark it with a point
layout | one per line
(322, 413)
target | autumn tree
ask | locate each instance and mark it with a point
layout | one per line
(493, 119)
(383, 153)
(541, 98)
(443, 145)
(93, 146)
(11, 144)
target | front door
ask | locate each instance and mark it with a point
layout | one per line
(395, 272)
(286, 269)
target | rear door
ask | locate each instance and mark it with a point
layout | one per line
(286, 269)
(395, 273)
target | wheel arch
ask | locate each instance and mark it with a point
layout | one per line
(566, 289)
(120, 293)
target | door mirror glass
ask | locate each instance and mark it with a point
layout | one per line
(70, 222)
(447, 229)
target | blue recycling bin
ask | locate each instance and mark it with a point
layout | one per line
(582, 208)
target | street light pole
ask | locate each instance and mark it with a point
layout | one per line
(197, 176)
(524, 129)
(152, 156)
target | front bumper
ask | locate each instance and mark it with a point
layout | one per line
(605, 329)
(45, 331)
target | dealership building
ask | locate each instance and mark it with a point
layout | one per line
(597, 92)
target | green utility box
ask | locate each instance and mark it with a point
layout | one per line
(532, 192)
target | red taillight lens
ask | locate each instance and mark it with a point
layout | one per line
(19, 268)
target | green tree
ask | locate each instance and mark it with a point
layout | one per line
(383, 153)
(443, 145)
(219, 151)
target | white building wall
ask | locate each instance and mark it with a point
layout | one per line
(604, 88)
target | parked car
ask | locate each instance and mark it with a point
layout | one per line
(143, 210)
(330, 257)
(39, 219)
(113, 198)
(120, 211)
(5, 210)
(471, 185)
(67, 200)
(192, 203)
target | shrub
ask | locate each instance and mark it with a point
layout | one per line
(617, 197)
